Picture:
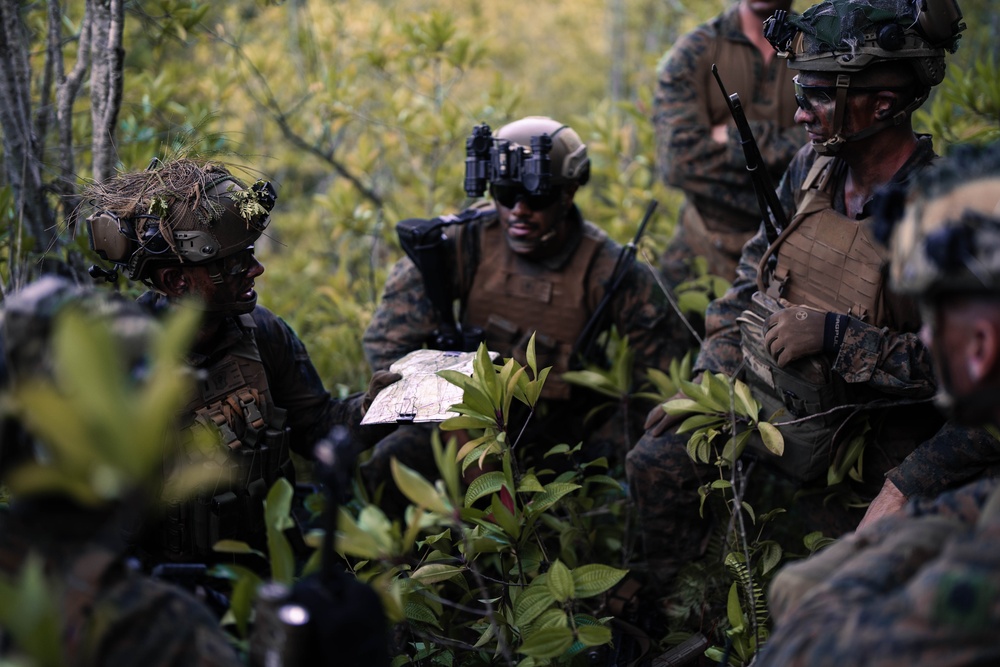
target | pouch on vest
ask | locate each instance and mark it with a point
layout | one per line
(803, 388)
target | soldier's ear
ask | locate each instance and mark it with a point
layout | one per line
(172, 281)
(983, 351)
(886, 103)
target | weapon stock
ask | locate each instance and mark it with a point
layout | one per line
(767, 198)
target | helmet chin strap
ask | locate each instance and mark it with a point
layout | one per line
(832, 145)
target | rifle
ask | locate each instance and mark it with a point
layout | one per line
(583, 348)
(423, 242)
(767, 198)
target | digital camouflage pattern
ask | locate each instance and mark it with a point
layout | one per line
(713, 176)
(877, 362)
(920, 588)
(405, 320)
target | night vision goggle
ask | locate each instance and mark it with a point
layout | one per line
(498, 161)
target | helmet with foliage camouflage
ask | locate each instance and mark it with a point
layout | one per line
(857, 39)
(947, 238)
(568, 155)
(183, 211)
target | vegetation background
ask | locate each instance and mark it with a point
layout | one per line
(358, 110)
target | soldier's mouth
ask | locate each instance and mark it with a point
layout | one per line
(520, 229)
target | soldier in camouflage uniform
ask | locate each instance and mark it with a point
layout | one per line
(815, 328)
(697, 146)
(921, 587)
(186, 228)
(109, 614)
(528, 264)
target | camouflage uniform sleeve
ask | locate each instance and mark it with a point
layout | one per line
(955, 455)
(925, 594)
(404, 320)
(891, 361)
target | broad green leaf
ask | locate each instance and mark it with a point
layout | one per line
(733, 610)
(483, 485)
(700, 421)
(745, 401)
(560, 581)
(530, 356)
(551, 618)
(236, 547)
(593, 635)
(418, 490)
(436, 572)
(552, 494)
(421, 613)
(595, 578)
(505, 518)
(547, 642)
(351, 539)
(772, 438)
(531, 603)
(681, 405)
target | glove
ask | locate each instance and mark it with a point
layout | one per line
(659, 422)
(793, 333)
(380, 380)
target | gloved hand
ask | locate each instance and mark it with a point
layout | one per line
(793, 333)
(659, 422)
(380, 380)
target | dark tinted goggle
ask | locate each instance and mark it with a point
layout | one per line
(508, 196)
(238, 263)
(809, 97)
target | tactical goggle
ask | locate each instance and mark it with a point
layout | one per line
(508, 196)
(808, 97)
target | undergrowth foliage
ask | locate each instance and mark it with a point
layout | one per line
(511, 566)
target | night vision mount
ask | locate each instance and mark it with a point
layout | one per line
(492, 160)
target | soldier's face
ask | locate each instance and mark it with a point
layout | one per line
(235, 292)
(535, 227)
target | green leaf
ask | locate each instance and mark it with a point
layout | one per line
(560, 581)
(547, 643)
(745, 401)
(593, 635)
(553, 493)
(505, 518)
(483, 485)
(733, 610)
(418, 490)
(772, 438)
(531, 603)
(436, 572)
(595, 578)
(421, 613)
(277, 508)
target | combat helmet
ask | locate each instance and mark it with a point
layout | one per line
(946, 239)
(182, 211)
(568, 154)
(847, 37)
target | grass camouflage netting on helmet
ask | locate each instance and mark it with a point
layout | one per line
(181, 211)
(849, 36)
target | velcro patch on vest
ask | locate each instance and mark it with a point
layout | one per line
(221, 379)
(527, 287)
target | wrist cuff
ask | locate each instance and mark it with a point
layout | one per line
(833, 332)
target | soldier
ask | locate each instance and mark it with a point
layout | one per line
(186, 228)
(809, 322)
(921, 587)
(108, 613)
(697, 147)
(528, 264)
